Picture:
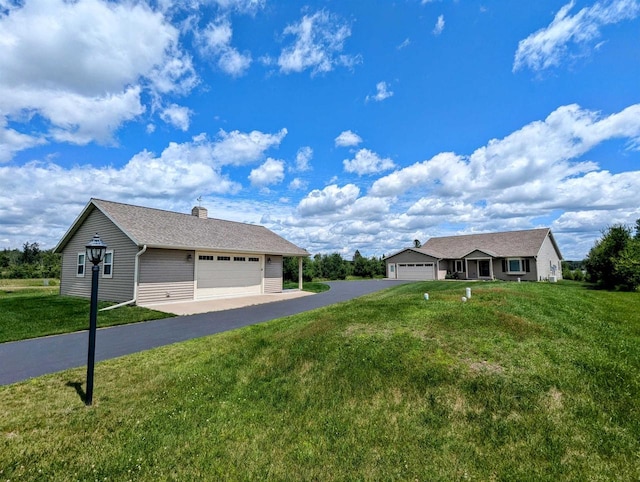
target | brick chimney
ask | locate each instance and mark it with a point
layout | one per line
(199, 212)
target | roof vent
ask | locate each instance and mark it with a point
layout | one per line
(199, 212)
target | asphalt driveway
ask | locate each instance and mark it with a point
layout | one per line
(25, 359)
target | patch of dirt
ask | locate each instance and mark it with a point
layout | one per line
(486, 367)
(553, 400)
(518, 326)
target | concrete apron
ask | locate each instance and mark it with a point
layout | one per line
(206, 306)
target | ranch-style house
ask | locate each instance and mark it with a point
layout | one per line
(530, 255)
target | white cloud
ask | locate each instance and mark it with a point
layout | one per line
(178, 116)
(271, 172)
(382, 93)
(328, 200)
(12, 141)
(405, 43)
(442, 167)
(348, 139)
(367, 162)
(541, 152)
(238, 148)
(176, 174)
(550, 46)
(215, 41)
(86, 82)
(242, 6)
(234, 63)
(298, 184)
(303, 158)
(318, 45)
(439, 27)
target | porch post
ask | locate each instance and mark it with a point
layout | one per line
(300, 273)
(491, 268)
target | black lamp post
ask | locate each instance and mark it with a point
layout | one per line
(95, 252)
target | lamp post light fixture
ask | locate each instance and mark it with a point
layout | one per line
(95, 252)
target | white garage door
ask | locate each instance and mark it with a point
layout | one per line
(416, 271)
(223, 275)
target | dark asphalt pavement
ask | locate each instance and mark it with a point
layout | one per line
(25, 359)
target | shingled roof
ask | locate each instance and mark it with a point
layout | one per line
(505, 244)
(157, 228)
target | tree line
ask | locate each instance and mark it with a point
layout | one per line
(334, 267)
(612, 263)
(30, 262)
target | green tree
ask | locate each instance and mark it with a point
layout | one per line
(614, 260)
(30, 253)
(290, 269)
(331, 266)
(5, 260)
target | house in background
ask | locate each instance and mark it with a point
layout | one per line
(155, 256)
(531, 255)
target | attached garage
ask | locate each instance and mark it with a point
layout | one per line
(416, 271)
(413, 264)
(223, 275)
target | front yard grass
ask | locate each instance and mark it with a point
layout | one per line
(525, 381)
(310, 286)
(29, 310)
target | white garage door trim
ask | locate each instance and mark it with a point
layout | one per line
(416, 271)
(227, 275)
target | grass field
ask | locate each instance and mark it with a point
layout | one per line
(525, 381)
(29, 309)
(312, 287)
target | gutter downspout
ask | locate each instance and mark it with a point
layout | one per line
(135, 283)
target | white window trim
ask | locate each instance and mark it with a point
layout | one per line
(110, 275)
(520, 262)
(84, 264)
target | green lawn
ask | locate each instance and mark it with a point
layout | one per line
(525, 381)
(29, 309)
(313, 287)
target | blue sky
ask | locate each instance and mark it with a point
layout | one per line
(341, 125)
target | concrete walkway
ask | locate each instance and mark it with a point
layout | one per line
(25, 359)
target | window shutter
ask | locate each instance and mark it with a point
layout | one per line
(504, 265)
(527, 268)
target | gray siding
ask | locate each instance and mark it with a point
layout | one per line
(411, 257)
(273, 274)
(477, 254)
(165, 275)
(499, 274)
(120, 286)
(548, 257)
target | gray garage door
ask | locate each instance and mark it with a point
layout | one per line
(416, 271)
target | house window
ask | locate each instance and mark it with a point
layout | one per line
(254, 260)
(239, 258)
(459, 266)
(205, 257)
(516, 266)
(224, 258)
(107, 265)
(80, 265)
